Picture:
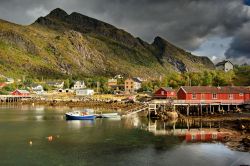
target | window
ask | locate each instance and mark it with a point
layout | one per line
(126, 86)
(193, 96)
(202, 97)
(231, 96)
(241, 94)
(131, 86)
(214, 96)
(162, 92)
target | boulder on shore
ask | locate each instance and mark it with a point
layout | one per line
(172, 115)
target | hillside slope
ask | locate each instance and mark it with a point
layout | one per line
(60, 45)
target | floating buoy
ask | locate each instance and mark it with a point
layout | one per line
(50, 138)
(30, 143)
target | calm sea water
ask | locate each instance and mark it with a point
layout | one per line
(100, 142)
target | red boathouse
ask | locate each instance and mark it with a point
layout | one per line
(165, 93)
(211, 99)
(18, 92)
(209, 94)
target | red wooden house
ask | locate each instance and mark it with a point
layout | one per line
(18, 92)
(165, 92)
(209, 94)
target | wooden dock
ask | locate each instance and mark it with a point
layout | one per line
(136, 110)
(13, 98)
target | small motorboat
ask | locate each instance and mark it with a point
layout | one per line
(78, 115)
(110, 115)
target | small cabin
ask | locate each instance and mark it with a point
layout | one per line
(165, 93)
(225, 66)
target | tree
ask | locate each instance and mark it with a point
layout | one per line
(10, 87)
(195, 79)
(2, 79)
(28, 81)
(66, 84)
(207, 78)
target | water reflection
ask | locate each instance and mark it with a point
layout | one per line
(78, 124)
(130, 141)
(189, 130)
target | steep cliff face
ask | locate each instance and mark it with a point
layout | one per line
(180, 59)
(60, 45)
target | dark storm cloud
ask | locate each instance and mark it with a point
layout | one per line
(187, 23)
(240, 46)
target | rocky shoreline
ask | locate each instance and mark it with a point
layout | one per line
(122, 106)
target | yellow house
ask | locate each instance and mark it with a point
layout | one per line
(132, 84)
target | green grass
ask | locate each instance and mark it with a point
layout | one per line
(58, 55)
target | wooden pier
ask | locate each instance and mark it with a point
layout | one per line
(206, 106)
(13, 98)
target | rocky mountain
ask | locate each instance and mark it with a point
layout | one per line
(59, 45)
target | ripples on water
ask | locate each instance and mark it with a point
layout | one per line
(130, 141)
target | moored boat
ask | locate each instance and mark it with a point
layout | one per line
(78, 115)
(110, 115)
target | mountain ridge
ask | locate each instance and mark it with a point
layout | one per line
(78, 45)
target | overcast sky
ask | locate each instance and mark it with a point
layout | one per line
(218, 29)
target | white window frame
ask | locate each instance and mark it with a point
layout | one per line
(241, 94)
(213, 97)
(231, 96)
(202, 96)
(194, 96)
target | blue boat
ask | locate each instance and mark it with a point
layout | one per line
(77, 115)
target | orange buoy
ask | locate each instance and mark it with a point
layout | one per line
(50, 138)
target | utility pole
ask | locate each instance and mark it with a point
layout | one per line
(97, 86)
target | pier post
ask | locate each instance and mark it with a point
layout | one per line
(210, 110)
(201, 109)
(228, 110)
(198, 110)
(188, 110)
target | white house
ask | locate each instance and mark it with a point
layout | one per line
(38, 89)
(9, 81)
(79, 85)
(84, 92)
(225, 65)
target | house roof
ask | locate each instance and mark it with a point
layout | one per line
(2, 84)
(212, 89)
(81, 82)
(22, 91)
(35, 85)
(223, 63)
(167, 89)
(112, 81)
(137, 79)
